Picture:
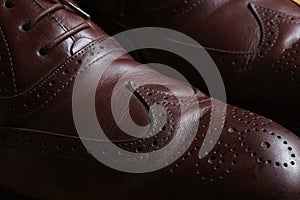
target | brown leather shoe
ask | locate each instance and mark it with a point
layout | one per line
(46, 46)
(255, 43)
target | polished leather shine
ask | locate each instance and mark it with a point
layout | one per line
(255, 44)
(42, 156)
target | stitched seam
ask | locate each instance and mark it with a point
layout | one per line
(281, 13)
(10, 60)
(55, 71)
(59, 135)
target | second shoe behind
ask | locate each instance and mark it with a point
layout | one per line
(255, 44)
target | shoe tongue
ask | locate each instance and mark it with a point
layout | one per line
(71, 5)
(71, 17)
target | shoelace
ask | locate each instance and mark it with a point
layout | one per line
(59, 5)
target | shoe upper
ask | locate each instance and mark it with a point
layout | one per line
(48, 47)
(253, 42)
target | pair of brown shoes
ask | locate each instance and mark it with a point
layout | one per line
(80, 119)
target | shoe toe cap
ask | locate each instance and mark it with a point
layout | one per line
(254, 158)
(258, 156)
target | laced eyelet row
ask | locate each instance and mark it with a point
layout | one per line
(61, 4)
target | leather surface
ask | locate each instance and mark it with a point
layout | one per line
(44, 158)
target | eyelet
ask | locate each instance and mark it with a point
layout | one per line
(26, 27)
(9, 4)
(43, 51)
